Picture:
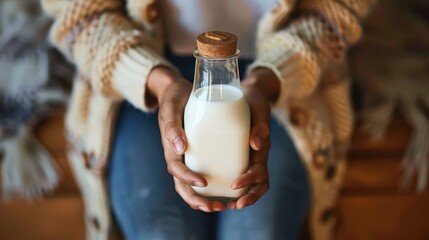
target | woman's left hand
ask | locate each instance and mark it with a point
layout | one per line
(259, 87)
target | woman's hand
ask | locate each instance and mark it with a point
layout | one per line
(171, 92)
(259, 88)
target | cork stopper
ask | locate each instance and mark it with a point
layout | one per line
(216, 44)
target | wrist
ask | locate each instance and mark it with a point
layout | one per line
(159, 79)
(266, 81)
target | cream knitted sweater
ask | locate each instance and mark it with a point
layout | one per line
(115, 45)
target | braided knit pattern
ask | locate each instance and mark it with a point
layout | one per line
(78, 111)
(359, 8)
(321, 37)
(300, 52)
(54, 7)
(93, 34)
(335, 89)
(341, 13)
(312, 43)
(290, 58)
(99, 130)
(106, 59)
(338, 100)
(75, 13)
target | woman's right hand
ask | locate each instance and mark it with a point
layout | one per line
(171, 92)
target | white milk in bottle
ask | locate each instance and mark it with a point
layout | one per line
(217, 117)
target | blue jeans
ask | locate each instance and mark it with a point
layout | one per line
(146, 205)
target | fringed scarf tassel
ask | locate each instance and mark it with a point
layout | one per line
(28, 170)
(416, 159)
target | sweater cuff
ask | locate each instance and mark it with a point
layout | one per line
(131, 72)
(293, 63)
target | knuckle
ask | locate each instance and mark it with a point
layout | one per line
(263, 177)
(252, 172)
(260, 179)
(170, 130)
(170, 169)
(265, 129)
(187, 176)
(160, 116)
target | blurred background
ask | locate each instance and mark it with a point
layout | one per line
(385, 194)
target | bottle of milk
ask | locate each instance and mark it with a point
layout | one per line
(217, 117)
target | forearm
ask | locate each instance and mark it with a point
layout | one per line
(158, 81)
(105, 46)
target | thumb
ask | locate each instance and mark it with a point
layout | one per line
(259, 134)
(260, 117)
(171, 119)
(260, 124)
(175, 135)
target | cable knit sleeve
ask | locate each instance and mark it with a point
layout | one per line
(318, 34)
(105, 46)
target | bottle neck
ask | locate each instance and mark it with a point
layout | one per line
(219, 71)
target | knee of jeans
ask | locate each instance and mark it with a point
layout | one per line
(155, 234)
(262, 233)
(142, 216)
(159, 225)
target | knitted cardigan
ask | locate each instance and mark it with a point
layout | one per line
(115, 45)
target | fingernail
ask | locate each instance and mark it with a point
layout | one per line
(203, 208)
(259, 142)
(179, 144)
(237, 186)
(198, 184)
(231, 205)
(216, 209)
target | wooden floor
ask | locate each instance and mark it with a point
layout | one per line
(370, 206)
(55, 217)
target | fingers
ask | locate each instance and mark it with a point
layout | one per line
(252, 196)
(179, 170)
(258, 136)
(196, 202)
(256, 177)
(170, 121)
(175, 165)
(173, 135)
(173, 156)
(232, 205)
(256, 174)
(260, 117)
(171, 114)
(260, 126)
(172, 105)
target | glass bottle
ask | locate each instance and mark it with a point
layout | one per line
(217, 117)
